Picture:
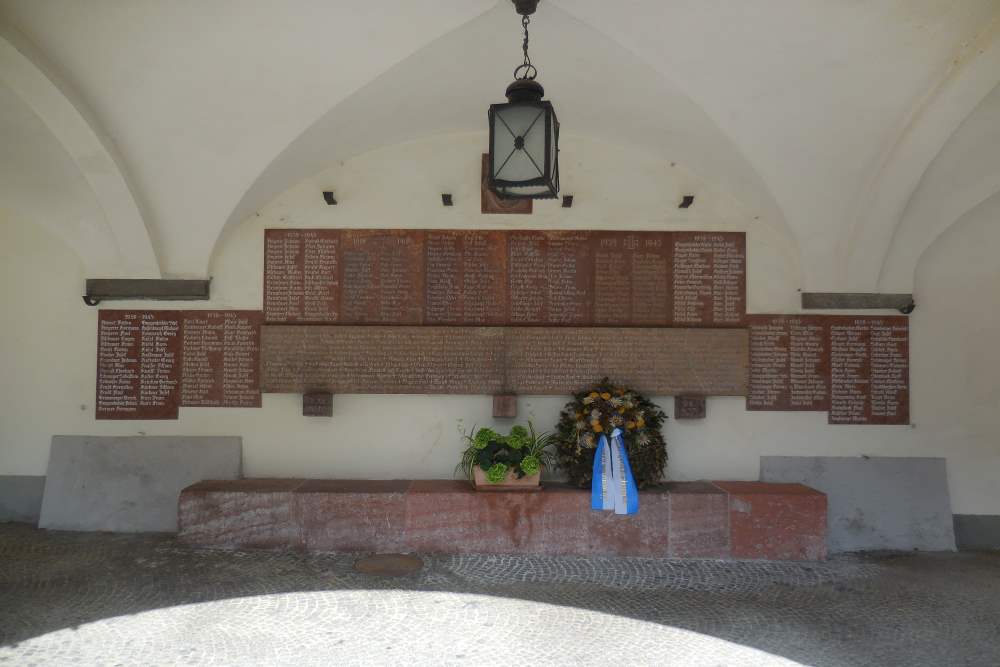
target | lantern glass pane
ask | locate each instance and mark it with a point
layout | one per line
(519, 164)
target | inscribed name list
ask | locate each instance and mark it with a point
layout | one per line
(138, 364)
(221, 358)
(789, 363)
(869, 370)
(500, 278)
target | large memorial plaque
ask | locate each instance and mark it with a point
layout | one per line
(221, 358)
(789, 363)
(869, 370)
(494, 360)
(500, 278)
(138, 364)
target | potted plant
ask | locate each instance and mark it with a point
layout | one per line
(495, 462)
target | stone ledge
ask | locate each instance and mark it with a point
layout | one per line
(742, 520)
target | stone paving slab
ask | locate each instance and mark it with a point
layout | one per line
(104, 599)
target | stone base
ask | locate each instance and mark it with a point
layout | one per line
(130, 484)
(726, 520)
(876, 502)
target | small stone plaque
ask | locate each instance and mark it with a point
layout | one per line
(317, 404)
(505, 405)
(689, 407)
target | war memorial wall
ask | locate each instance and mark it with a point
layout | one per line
(502, 312)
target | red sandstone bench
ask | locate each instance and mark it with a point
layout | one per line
(731, 520)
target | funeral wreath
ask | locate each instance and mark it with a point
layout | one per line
(506, 459)
(598, 411)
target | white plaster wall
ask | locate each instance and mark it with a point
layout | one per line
(47, 337)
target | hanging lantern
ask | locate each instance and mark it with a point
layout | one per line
(524, 132)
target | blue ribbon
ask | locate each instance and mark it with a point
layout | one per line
(613, 487)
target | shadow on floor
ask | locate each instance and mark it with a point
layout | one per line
(82, 597)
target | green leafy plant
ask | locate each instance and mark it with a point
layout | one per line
(599, 410)
(523, 450)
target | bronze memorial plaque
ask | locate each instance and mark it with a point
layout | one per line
(505, 278)
(493, 360)
(221, 358)
(138, 364)
(789, 363)
(869, 369)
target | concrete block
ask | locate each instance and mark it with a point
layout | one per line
(877, 502)
(21, 498)
(977, 532)
(130, 484)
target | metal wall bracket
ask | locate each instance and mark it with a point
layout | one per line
(857, 301)
(119, 289)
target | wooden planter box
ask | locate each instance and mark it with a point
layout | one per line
(510, 483)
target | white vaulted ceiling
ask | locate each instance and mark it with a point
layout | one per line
(157, 124)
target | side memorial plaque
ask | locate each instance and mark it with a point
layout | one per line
(493, 360)
(789, 363)
(505, 278)
(221, 358)
(138, 364)
(869, 370)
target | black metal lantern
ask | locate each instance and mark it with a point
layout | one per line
(524, 132)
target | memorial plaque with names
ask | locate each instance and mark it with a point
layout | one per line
(138, 364)
(551, 278)
(383, 276)
(789, 363)
(505, 278)
(221, 358)
(709, 279)
(632, 278)
(494, 360)
(465, 277)
(869, 370)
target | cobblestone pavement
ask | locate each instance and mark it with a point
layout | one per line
(100, 599)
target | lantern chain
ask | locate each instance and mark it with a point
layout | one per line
(525, 70)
